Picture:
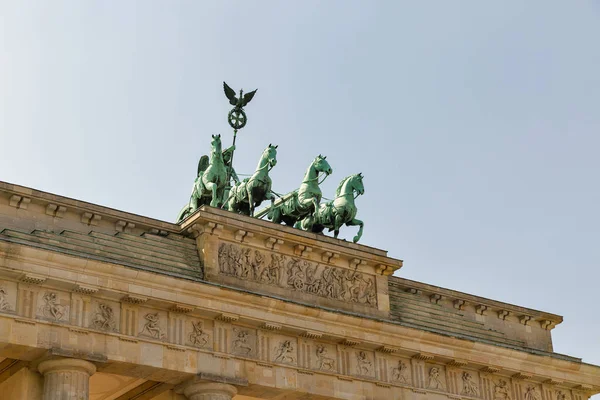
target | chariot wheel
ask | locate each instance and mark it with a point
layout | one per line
(237, 118)
(298, 284)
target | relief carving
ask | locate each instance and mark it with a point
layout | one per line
(399, 372)
(532, 393)
(297, 274)
(561, 396)
(51, 309)
(4, 304)
(104, 319)
(363, 364)
(501, 390)
(240, 344)
(285, 352)
(324, 361)
(151, 326)
(198, 337)
(469, 386)
(435, 381)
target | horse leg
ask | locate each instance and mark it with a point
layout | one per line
(214, 201)
(355, 222)
(337, 223)
(250, 201)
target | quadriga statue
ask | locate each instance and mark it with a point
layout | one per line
(245, 196)
(339, 211)
(304, 201)
(211, 182)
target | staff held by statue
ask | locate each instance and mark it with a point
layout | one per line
(237, 117)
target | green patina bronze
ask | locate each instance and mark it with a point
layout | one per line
(339, 211)
(305, 200)
(300, 208)
(245, 196)
(209, 186)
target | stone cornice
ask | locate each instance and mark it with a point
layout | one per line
(210, 299)
(484, 305)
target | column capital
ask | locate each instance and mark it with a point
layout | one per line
(209, 391)
(66, 364)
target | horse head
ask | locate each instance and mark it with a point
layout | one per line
(356, 183)
(321, 165)
(270, 154)
(215, 143)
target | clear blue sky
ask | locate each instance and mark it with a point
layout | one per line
(476, 124)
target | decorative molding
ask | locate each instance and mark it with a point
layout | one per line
(553, 382)
(329, 257)
(413, 291)
(524, 319)
(481, 309)
(271, 327)
(176, 348)
(158, 232)
(435, 298)
(227, 317)
(547, 324)
(85, 289)
(133, 299)
(89, 218)
(521, 376)
(273, 243)
(78, 330)
(311, 335)
(122, 226)
(423, 357)
(243, 236)
(490, 370)
(383, 385)
(386, 349)
(24, 321)
(344, 378)
(459, 304)
(19, 201)
(210, 228)
(56, 211)
(383, 269)
(349, 342)
(305, 372)
(33, 279)
(503, 314)
(181, 308)
(302, 250)
(458, 363)
(126, 339)
(355, 262)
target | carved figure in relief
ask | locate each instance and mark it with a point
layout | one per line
(531, 393)
(241, 344)
(435, 381)
(501, 390)
(285, 352)
(4, 304)
(257, 265)
(198, 337)
(469, 386)
(363, 364)
(324, 362)
(560, 395)
(399, 372)
(152, 326)
(298, 274)
(51, 309)
(104, 319)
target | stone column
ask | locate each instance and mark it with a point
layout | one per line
(66, 379)
(209, 391)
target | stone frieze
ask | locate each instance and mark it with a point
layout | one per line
(297, 274)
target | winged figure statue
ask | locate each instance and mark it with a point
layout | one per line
(242, 100)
